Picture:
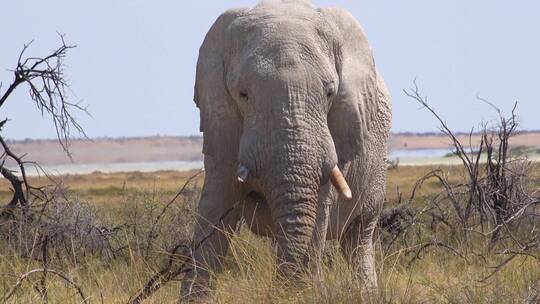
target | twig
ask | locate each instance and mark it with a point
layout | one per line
(23, 277)
(436, 244)
(157, 219)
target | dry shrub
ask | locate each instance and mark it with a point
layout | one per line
(491, 214)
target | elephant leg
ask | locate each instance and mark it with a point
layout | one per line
(357, 247)
(216, 220)
(357, 240)
(327, 197)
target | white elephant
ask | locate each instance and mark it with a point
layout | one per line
(290, 103)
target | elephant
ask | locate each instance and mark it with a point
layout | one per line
(295, 120)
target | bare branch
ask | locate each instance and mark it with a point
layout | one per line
(64, 277)
(48, 88)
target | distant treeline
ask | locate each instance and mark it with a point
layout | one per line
(199, 137)
(439, 133)
(108, 138)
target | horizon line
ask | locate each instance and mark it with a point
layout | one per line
(198, 136)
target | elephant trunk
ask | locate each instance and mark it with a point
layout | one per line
(288, 155)
(294, 209)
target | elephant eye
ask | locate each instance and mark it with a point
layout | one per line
(243, 96)
(330, 92)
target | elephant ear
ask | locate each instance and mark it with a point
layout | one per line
(221, 122)
(355, 106)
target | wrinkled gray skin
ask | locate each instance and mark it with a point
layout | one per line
(289, 91)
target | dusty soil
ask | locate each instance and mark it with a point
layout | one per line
(111, 150)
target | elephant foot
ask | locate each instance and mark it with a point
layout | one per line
(320, 287)
(369, 289)
(195, 289)
(316, 269)
(197, 294)
(366, 278)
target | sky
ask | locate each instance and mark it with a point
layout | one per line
(134, 65)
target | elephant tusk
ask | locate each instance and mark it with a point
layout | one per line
(340, 183)
(242, 173)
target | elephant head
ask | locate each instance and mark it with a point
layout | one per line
(286, 98)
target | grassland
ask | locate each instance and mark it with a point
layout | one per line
(108, 190)
(439, 276)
